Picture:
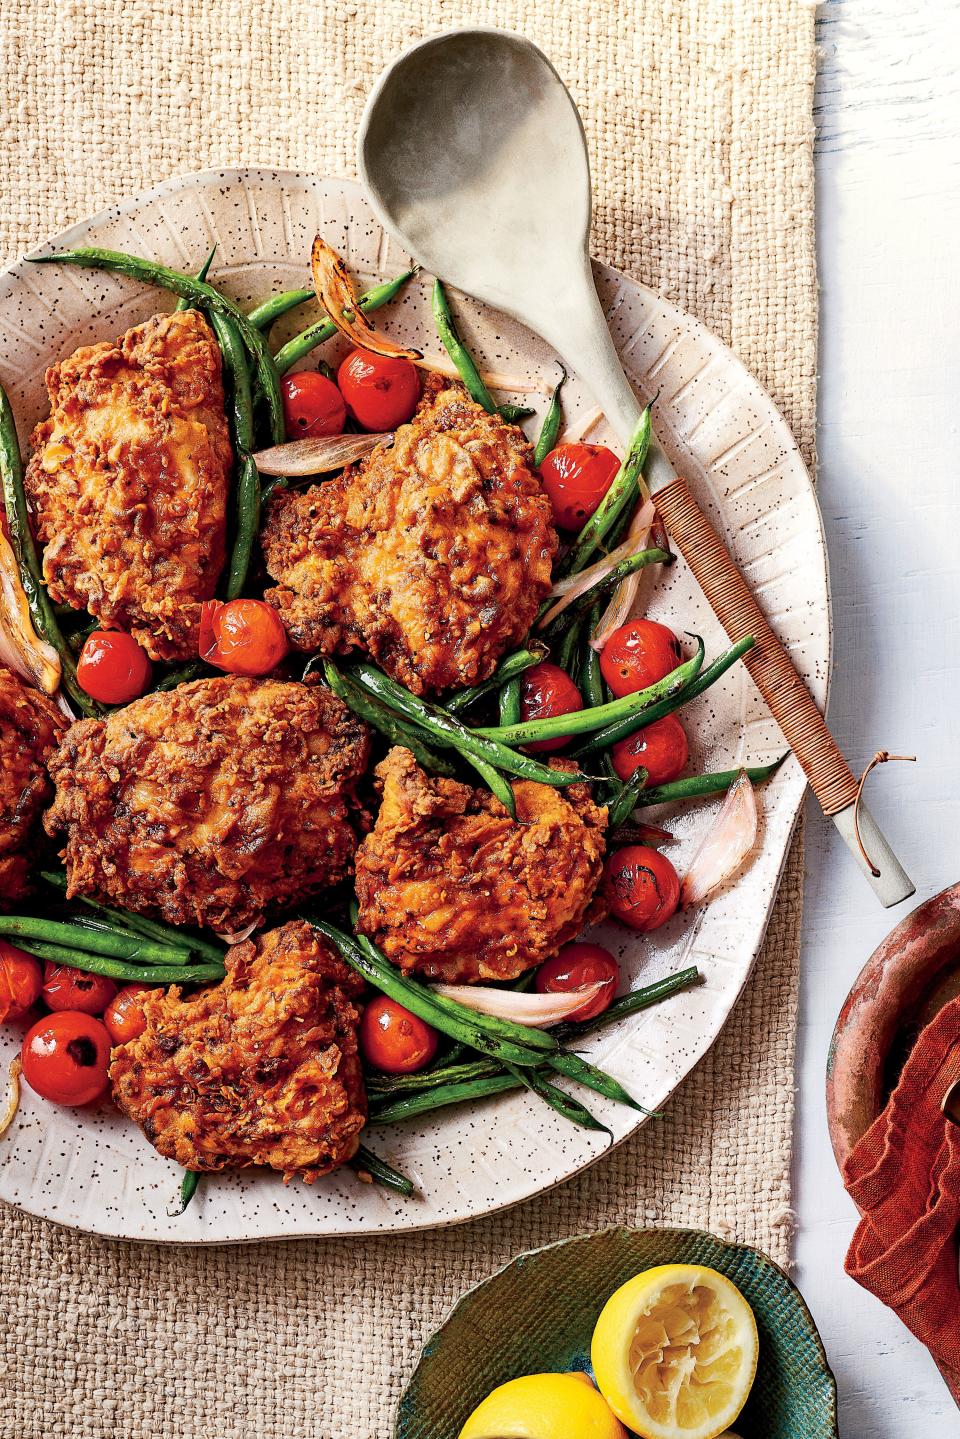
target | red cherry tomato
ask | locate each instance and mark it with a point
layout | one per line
(638, 654)
(641, 886)
(312, 405)
(124, 1016)
(661, 748)
(576, 478)
(393, 1039)
(66, 988)
(576, 965)
(21, 980)
(243, 637)
(547, 690)
(65, 1057)
(381, 391)
(112, 667)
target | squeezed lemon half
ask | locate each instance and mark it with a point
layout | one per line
(675, 1352)
(544, 1406)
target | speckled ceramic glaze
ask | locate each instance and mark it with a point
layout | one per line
(538, 1314)
(94, 1170)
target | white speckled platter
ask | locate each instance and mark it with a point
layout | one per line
(95, 1171)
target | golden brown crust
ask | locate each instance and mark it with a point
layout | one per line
(259, 1069)
(432, 556)
(129, 478)
(212, 803)
(30, 727)
(449, 885)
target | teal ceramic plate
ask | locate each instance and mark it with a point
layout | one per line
(537, 1315)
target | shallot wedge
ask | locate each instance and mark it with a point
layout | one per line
(21, 648)
(579, 428)
(237, 936)
(319, 455)
(493, 379)
(337, 296)
(11, 1103)
(571, 587)
(624, 596)
(539, 1011)
(726, 844)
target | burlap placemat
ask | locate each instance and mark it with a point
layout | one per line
(699, 119)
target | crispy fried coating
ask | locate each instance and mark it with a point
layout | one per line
(432, 556)
(259, 1069)
(129, 478)
(30, 728)
(450, 886)
(213, 803)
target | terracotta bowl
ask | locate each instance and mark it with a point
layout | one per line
(906, 981)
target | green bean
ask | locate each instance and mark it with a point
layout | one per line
(365, 1162)
(182, 675)
(202, 274)
(629, 707)
(550, 428)
(316, 334)
(390, 1084)
(619, 729)
(508, 702)
(702, 784)
(120, 946)
(200, 294)
(458, 352)
(247, 507)
(264, 314)
(558, 1099)
(631, 1003)
(623, 490)
(383, 719)
(241, 394)
(28, 561)
(124, 971)
(188, 1188)
(449, 732)
(605, 584)
(624, 802)
(591, 678)
(140, 924)
(508, 669)
(513, 414)
(247, 526)
(574, 1066)
(567, 651)
(411, 1105)
(495, 782)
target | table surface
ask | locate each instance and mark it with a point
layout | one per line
(888, 174)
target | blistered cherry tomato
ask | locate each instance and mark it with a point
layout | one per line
(21, 980)
(576, 477)
(312, 405)
(123, 1016)
(67, 988)
(381, 391)
(112, 667)
(547, 690)
(661, 748)
(641, 887)
(576, 965)
(638, 654)
(393, 1039)
(243, 637)
(65, 1057)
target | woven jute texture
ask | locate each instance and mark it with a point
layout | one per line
(698, 114)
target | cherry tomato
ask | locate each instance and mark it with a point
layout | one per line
(576, 965)
(393, 1039)
(124, 1014)
(65, 1057)
(312, 405)
(20, 981)
(547, 690)
(638, 654)
(576, 478)
(67, 988)
(641, 886)
(381, 391)
(243, 637)
(661, 748)
(112, 667)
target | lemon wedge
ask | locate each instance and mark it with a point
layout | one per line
(675, 1352)
(544, 1406)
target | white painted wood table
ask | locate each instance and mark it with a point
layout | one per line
(888, 169)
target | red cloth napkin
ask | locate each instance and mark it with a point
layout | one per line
(904, 1177)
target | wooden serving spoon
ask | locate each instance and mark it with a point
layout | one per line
(470, 148)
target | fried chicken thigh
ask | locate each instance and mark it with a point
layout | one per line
(30, 728)
(450, 886)
(213, 803)
(129, 478)
(432, 556)
(259, 1069)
